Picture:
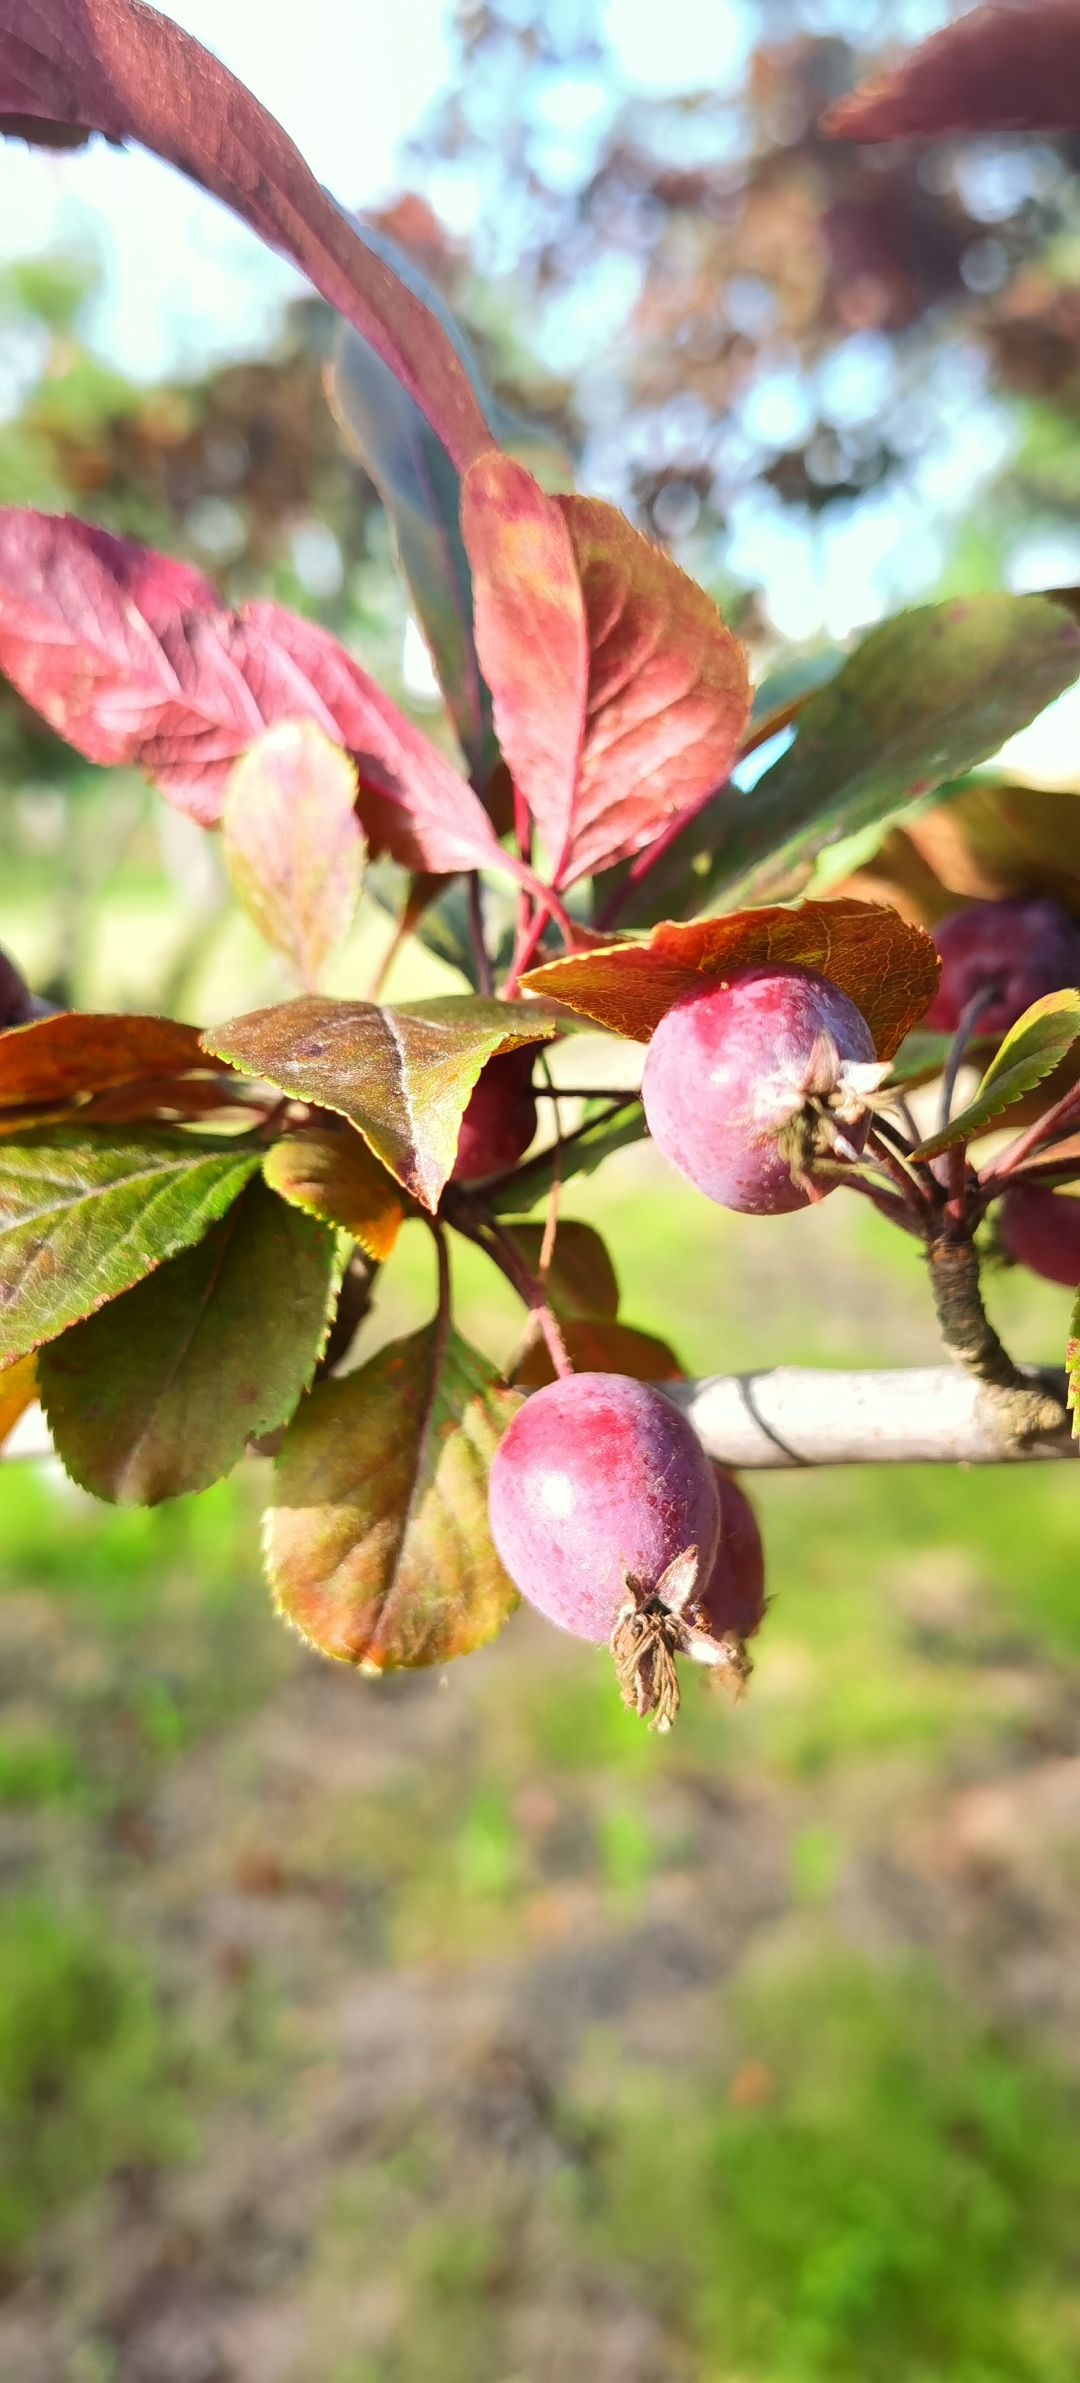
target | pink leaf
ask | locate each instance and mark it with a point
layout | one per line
(134, 659)
(620, 697)
(117, 67)
(1012, 66)
(293, 843)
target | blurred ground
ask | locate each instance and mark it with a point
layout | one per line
(454, 2030)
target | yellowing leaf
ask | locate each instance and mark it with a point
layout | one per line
(1072, 1367)
(377, 1540)
(18, 1390)
(402, 1075)
(335, 1176)
(293, 843)
(886, 967)
(1031, 1050)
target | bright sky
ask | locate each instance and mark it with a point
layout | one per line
(349, 79)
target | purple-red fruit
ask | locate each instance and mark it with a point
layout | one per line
(17, 1003)
(1041, 1229)
(598, 1480)
(1016, 950)
(751, 1084)
(733, 1599)
(500, 1120)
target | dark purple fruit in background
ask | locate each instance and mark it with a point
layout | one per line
(749, 1082)
(733, 1599)
(17, 1003)
(1041, 1229)
(500, 1120)
(598, 1479)
(1026, 946)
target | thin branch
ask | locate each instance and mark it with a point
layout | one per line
(468, 1215)
(968, 1020)
(935, 1414)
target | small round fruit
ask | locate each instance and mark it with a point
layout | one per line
(733, 1599)
(1023, 947)
(750, 1083)
(500, 1120)
(1041, 1230)
(598, 1480)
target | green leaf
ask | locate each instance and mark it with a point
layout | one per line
(924, 698)
(581, 1154)
(159, 1393)
(335, 1177)
(294, 847)
(581, 1279)
(1032, 1049)
(402, 1076)
(377, 1540)
(923, 1055)
(1072, 1367)
(83, 1215)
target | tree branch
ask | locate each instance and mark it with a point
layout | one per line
(792, 1416)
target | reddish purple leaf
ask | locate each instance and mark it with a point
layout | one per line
(134, 659)
(619, 695)
(1011, 66)
(293, 845)
(117, 67)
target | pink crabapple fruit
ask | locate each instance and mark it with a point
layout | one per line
(756, 1087)
(1017, 949)
(500, 1120)
(604, 1511)
(1040, 1229)
(733, 1599)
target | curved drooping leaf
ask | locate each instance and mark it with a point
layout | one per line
(923, 699)
(580, 1280)
(620, 695)
(1012, 66)
(377, 1540)
(1032, 1049)
(401, 1074)
(159, 1393)
(133, 658)
(422, 494)
(117, 67)
(83, 1215)
(18, 1390)
(598, 1345)
(336, 1177)
(293, 844)
(53, 1059)
(887, 968)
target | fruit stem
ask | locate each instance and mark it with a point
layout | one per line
(481, 957)
(469, 1217)
(968, 1020)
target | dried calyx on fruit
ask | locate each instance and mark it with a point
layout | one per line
(759, 1088)
(999, 957)
(604, 1511)
(500, 1120)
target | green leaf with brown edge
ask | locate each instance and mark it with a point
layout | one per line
(54, 1059)
(377, 1540)
(84, 1215)
(401, 1075)
(1072, 1367)
(580, 1279)
(159, 1393)
(598, 1345)
(580, 1154)
(887, 968)
(1032, 1049)
(294, 847)
(335, 1176)
(923, 699)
